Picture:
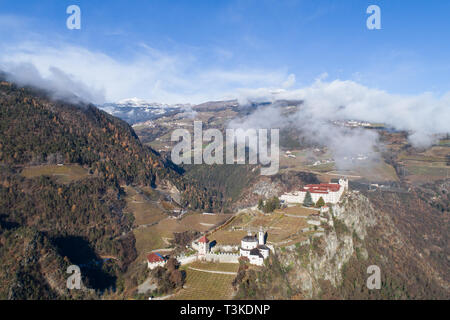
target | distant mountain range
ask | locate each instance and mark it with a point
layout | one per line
(136, 110)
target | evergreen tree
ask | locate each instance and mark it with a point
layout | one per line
(308, 202)
(320, 203)
(271, 205)
(260, 204)
(276, 202)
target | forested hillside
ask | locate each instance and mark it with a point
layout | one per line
(35, 130)
(79, 221)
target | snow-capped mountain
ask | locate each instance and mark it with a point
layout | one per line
(134, 110)
(141, 103)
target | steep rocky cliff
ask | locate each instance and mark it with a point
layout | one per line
(360, 232)
(323, 258)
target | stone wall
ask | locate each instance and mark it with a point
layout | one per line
(221, 257)
(211, 257)
(224, 248)
(186, 259)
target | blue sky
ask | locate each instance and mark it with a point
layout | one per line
(191, 51)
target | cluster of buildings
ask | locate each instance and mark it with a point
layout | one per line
(329, 192)
(253, 247)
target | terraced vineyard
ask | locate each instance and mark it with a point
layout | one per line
(283, 226)
(201, 285)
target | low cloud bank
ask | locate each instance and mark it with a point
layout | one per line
(58, 84)
(344, 143)
(78, 73)
(425, 116)
(146, 73)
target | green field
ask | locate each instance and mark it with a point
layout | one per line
(63, 174)
(430, 171)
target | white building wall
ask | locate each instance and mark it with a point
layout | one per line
(330, 197)
(185, 260)
(222, 257)
(153, 265)
(244, 253)
(296, 197)
(224, 248)
(195, 245)
(256, 260)
(264, 253)
(249, 245)
(211, 257)
(204, 248)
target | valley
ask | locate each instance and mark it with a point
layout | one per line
(396, 167)
(105, 196)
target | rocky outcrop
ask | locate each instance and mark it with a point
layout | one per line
(322, 259)
(265, 187)
(400, 233)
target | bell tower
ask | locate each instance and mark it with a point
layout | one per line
(261, 236)
(343, 182)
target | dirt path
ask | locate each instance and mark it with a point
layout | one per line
(214, 271)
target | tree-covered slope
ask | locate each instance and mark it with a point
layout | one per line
(80, 221)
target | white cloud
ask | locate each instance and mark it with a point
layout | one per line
(147, 73)
(59, 84)
(424, 115)
(290, 81)
(179, 78)
(349, 100)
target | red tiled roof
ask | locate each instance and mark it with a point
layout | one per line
(321, 188)
(203, 239)
(155, 257)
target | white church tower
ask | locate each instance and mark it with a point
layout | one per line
(261, 236)
(343, 182)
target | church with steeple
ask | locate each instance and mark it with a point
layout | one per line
(254, 248)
